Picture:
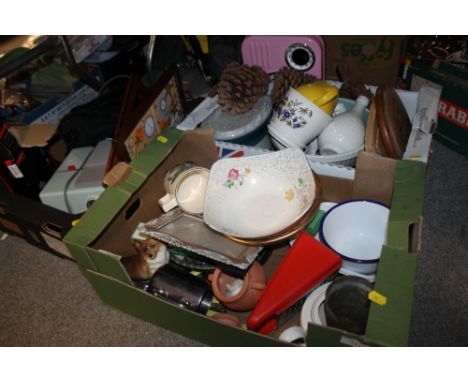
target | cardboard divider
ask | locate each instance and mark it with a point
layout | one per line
(375, 178)
(336, 189)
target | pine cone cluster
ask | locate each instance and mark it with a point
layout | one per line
(287, 78)
(240, 87)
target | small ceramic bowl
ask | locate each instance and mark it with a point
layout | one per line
(258, 196)
(356, 230)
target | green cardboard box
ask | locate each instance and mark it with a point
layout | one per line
(452, 127)
(102, 237)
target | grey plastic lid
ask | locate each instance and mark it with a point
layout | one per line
(227, 126)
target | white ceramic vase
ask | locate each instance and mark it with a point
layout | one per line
(345, 132)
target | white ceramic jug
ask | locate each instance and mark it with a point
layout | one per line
(345, 132)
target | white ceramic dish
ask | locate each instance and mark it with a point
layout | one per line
(257, 196)
(356, 230)
(347, 159)
(313, 309)
(346, 272)
(229, 127)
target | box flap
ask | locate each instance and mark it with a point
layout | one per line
(146, 161)
(81, 256)
(98, 216)
(374, 177)
(34, 135)
(407, 205)
(109, 264)
(102, 212)
(408, 193)
(390, 323)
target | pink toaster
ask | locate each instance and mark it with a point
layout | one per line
(304, 53)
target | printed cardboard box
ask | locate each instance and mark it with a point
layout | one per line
(109, 223)
(453, 105)
(372, 60)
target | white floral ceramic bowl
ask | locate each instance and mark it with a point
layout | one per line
(257, 196)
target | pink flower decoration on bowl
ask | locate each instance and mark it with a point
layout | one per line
(233, 173)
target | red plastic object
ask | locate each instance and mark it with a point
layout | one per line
(71, 167)
(307, 264)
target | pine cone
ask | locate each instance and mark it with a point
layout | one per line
(287, 78)
(351, 88)
(240, 87)
(354, 90)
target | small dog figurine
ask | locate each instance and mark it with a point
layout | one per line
(152, 255)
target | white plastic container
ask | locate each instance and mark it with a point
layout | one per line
(77, 183)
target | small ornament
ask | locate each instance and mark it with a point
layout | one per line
(287, 78)
(352, 88)
(240, 87)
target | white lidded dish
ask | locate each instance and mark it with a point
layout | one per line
(248, 128)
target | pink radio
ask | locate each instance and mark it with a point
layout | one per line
(304, 53)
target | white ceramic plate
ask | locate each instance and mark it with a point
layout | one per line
(313, 310)
(256, 196)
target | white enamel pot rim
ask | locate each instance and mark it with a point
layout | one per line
(324, 240)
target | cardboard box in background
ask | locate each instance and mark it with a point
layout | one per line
(452, 127)
(40, 225)
(102, 237)
(43, 225)
(373, 60)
